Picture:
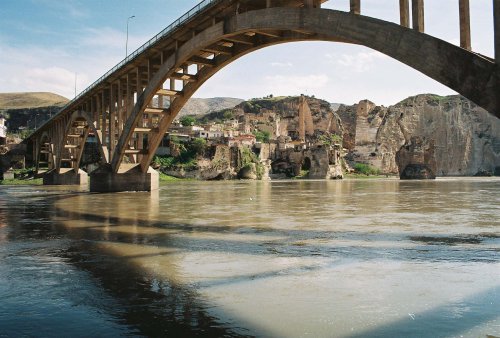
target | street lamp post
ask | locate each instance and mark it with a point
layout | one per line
(126, 43)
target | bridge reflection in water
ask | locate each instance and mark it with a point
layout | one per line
(351, 258)
(130, 108)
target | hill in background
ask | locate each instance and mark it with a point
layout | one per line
(196, 106)
(30, 100)
(26, 111)
(202, 106)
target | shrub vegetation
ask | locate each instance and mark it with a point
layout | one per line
(366, 169)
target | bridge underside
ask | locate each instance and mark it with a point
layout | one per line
(130, 113)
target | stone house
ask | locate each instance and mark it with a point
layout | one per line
(248, 140)
(209, 135)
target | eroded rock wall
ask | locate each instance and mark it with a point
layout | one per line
(466, 137)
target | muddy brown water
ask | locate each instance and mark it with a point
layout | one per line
(352, 258)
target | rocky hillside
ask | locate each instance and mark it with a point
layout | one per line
(197, 106)
(30, 100)
(466, 137)
(278, 116)
(29, 110)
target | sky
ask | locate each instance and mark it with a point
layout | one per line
(46, 44)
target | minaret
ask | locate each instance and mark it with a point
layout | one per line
(306, 125)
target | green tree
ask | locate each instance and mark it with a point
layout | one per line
(198, 145)
(228, 115)
(262, 136)
(188, 121)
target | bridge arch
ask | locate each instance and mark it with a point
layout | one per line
(472, 75)
(44, 150)
(71, 146)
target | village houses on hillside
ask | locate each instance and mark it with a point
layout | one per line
(229, 132)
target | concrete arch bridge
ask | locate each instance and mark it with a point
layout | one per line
(124, 108)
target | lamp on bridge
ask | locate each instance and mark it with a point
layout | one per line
(126, 42)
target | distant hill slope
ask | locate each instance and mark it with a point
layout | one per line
(197, 106)
(335, 106)
(30, 100)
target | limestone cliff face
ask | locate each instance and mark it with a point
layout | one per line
(466, 137)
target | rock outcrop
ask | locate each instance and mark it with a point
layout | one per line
(279, 116)
(466, 138)
(416, 159)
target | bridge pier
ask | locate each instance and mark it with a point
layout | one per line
(465, 37)
(417, 13)
(404, 13)
(104, 180)
(65, 177)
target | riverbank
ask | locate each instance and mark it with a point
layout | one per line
(39, 181)
(169, 179)
(17, 181)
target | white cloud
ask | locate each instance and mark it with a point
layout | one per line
(282, 64)
(55, 80)
(48, 69)
(358, 62)
(111, 39)
(294, 84)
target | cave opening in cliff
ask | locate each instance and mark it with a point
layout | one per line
(306, 165)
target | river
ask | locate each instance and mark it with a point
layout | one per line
(351, 258)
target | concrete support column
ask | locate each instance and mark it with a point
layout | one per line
(104, 126)
(98, 112)
(417, 9)
(65, 177)
(355, 6)
(103, 180)
(496, 20)
(119, 108)
(404, 13)
(465, 41)
(111, 122)
(268, 3)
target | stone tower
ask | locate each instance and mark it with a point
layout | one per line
(306, 125)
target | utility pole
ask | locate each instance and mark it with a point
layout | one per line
(126, 42)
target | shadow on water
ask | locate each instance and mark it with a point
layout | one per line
(440, 322)
(291, 242)
(148, 306)
(154, 306)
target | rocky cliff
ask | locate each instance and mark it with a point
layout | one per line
(280, 115)
(466, 138)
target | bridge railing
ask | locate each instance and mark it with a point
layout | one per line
(165, 32)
